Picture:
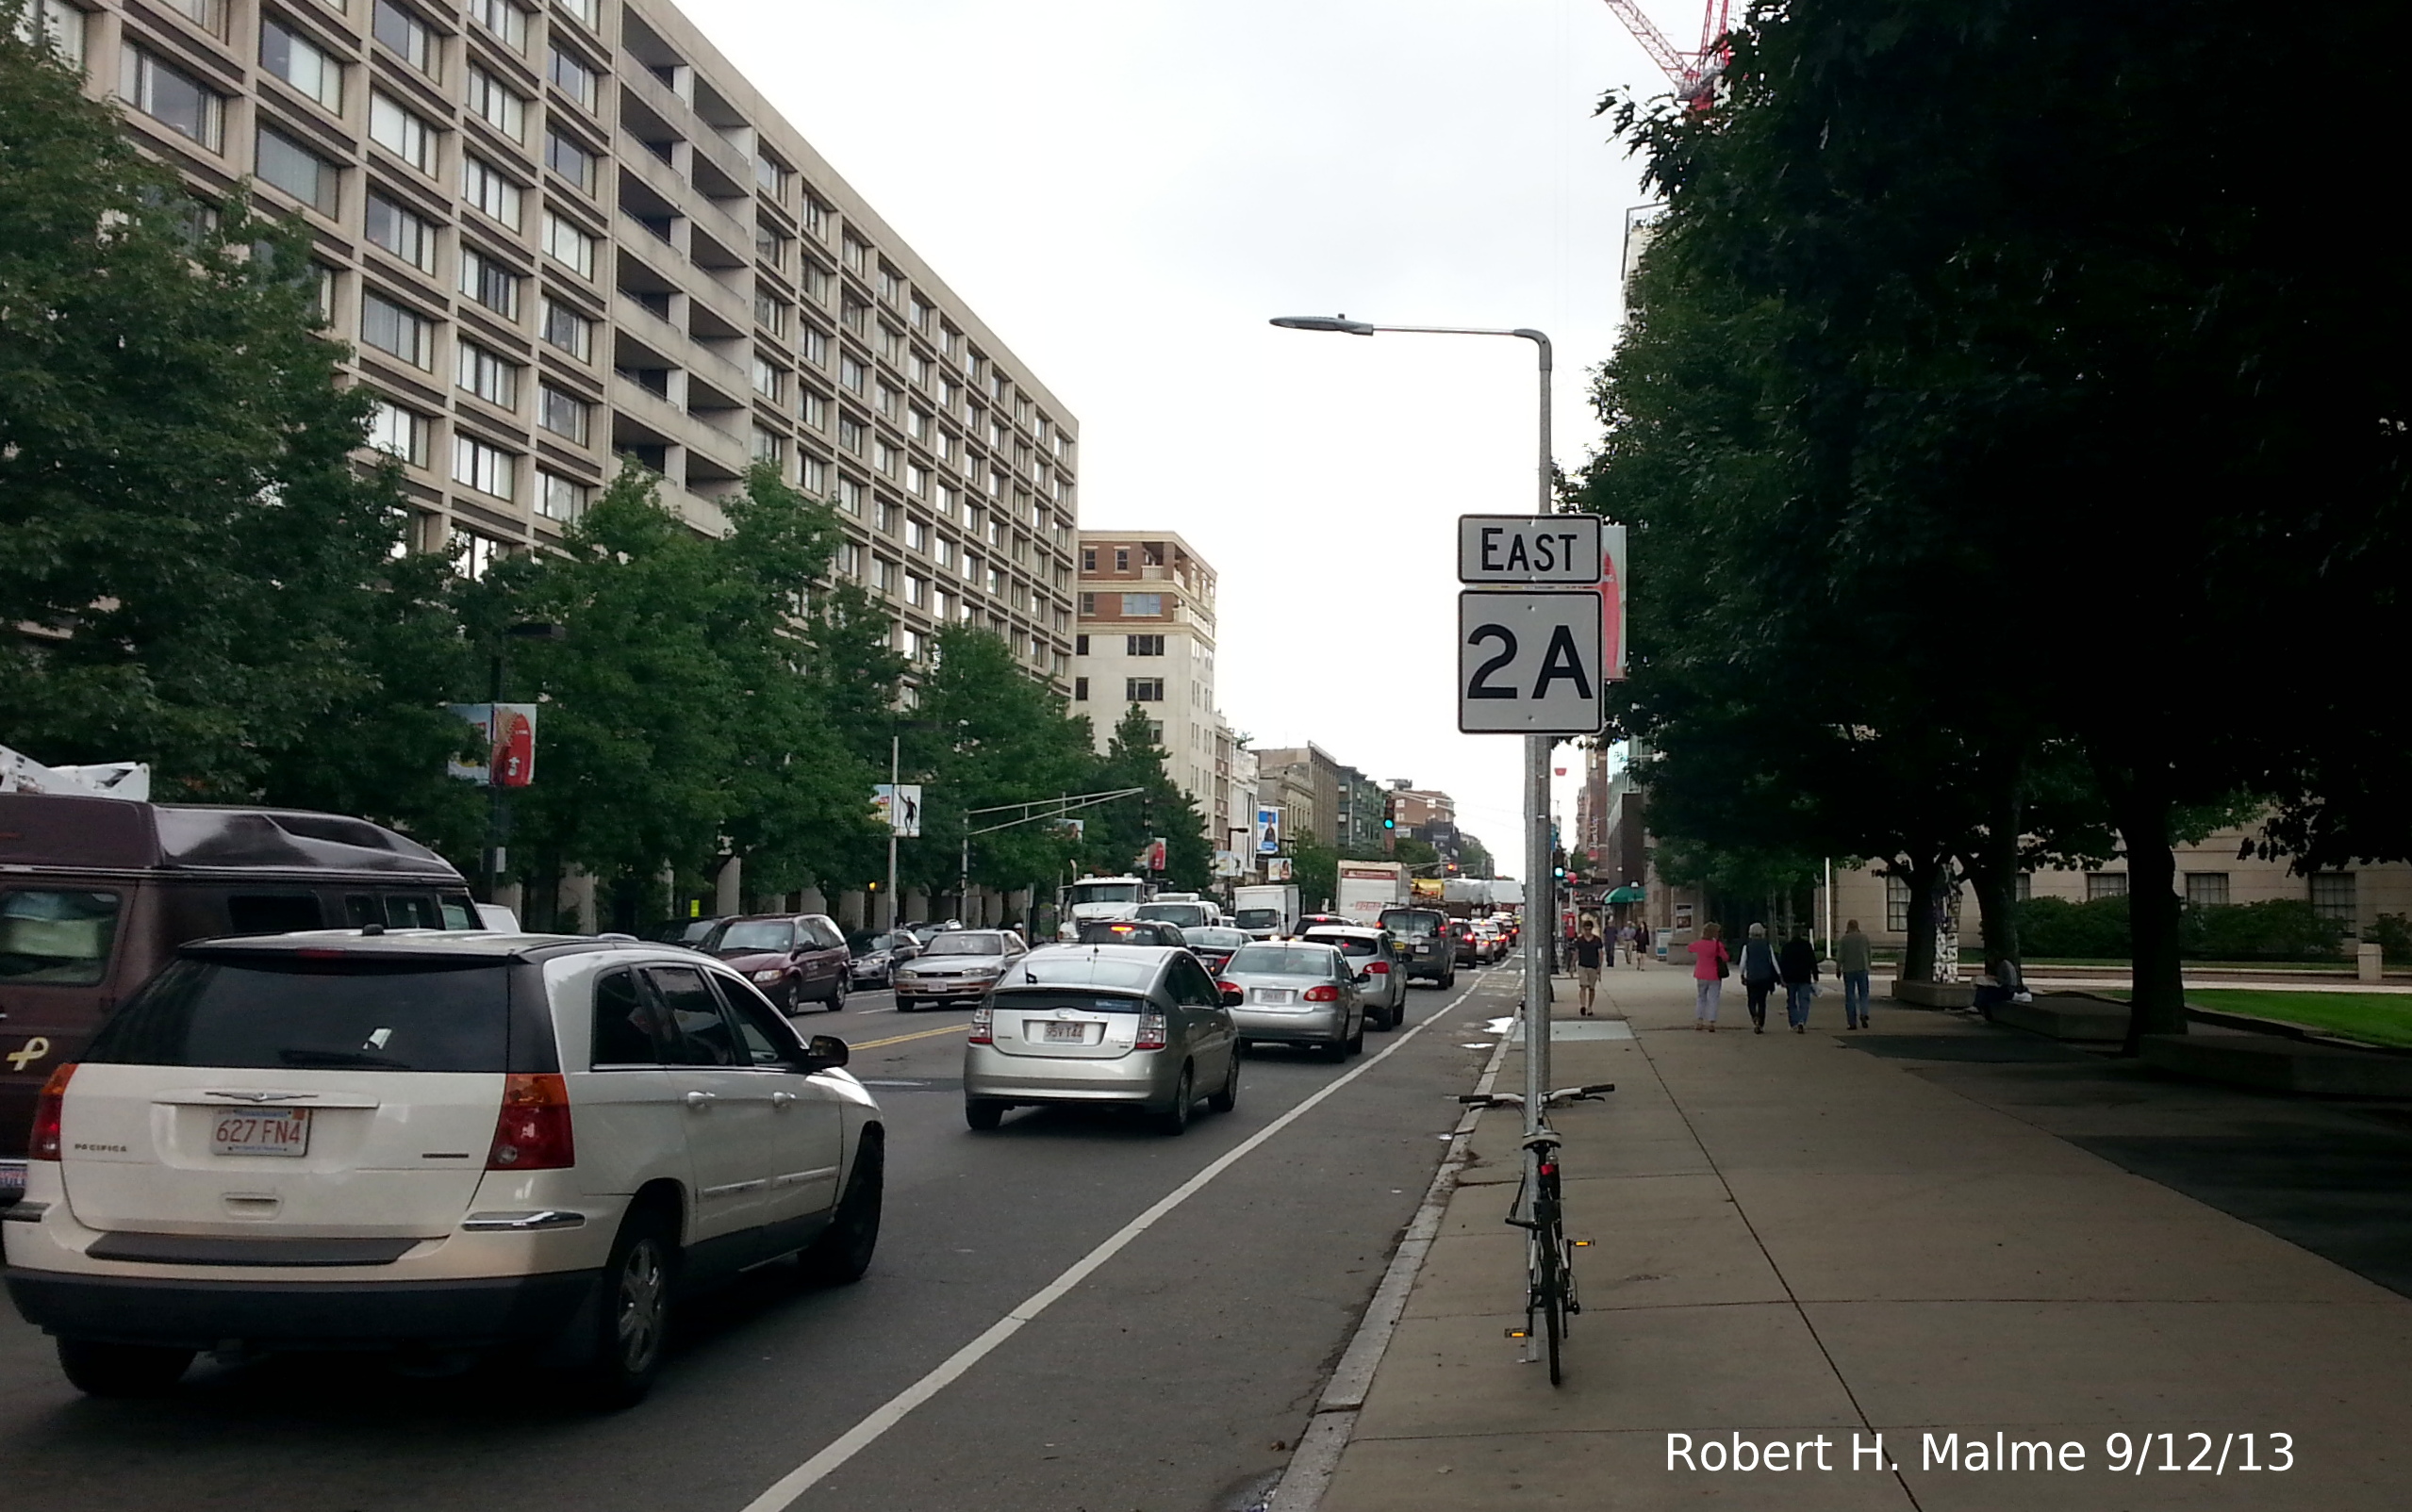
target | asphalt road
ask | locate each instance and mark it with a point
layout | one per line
(1169, 1379)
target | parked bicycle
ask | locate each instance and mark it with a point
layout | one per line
(1550, 1298)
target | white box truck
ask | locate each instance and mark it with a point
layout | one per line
(1266, 910)
(1367, 887)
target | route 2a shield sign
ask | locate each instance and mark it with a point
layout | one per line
(1530, 662)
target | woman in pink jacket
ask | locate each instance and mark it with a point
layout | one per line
(1709, 964)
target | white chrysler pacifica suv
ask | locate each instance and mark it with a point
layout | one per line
(430, 1140)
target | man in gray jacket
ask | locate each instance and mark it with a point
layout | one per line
(1851, 959)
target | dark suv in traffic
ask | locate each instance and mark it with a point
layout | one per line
(1423, 943)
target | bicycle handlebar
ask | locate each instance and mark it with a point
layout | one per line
(1551, 1099)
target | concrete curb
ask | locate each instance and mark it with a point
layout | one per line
(1316, 1459)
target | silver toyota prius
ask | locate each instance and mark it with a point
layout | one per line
(1143, 1026)
(1297, 991)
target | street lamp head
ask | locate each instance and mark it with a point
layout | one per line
(1325, 322)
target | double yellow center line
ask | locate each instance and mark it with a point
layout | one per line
(900, 1038)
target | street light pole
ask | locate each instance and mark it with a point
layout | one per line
(1539, 938)
(894, 752)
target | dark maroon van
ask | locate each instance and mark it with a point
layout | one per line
(96, 894)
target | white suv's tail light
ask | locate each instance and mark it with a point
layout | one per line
(1379, 968)
(531, 1132)
(1152, 1035)
(48, 1109)
(983, 1025)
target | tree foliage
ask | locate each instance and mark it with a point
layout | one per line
(192, 555)
(1967, 422)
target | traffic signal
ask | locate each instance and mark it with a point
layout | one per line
(1390, 813)
(1557, 862)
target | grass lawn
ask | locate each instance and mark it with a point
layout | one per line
(2380, 1018)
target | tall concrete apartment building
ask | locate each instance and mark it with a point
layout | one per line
(1147, 636)
(561, 236)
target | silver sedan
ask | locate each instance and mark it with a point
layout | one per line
(1142, 1026)
(1294, 992)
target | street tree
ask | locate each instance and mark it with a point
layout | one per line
(190, 543)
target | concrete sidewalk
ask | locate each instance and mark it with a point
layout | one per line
(1796, 1240)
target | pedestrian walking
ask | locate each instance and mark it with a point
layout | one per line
(1625, 944)
(1797, 961)
(1589, 947)
(1851, 958)
(1760, 974)
(1640, 942)
(1711, 963)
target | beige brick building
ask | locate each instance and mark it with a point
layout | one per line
(563, 236)
(1146, 635)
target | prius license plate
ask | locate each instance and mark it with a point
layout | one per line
(286, 1132)
(1067, 1034)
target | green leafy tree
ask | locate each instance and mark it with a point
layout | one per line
(1001, 736)
(1968, 406)
(1136, 758)
(1316, 867)
(188, 542)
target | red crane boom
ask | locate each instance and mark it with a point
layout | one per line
(1694, 73)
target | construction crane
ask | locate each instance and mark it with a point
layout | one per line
(1694, 73)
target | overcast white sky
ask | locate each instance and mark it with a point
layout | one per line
(1125, 189)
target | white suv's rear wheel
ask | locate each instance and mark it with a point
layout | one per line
(631, 1322)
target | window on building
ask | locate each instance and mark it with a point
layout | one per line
(489, 469)
(917, 589)
(488, 192)
(770, 314)
(403, 133)
(884, 457)
(2106, 884)
(394, 330)
(2206, 890)
(171, 97)
(856, 253)
(852, 375)
(852, 493)
(1080, 690)
(770, 177)
(2335, 896)
(1088, 605)
(563, 413)
(490, 282)
(813, 281)
(489, 375)
(917, 479)
(300, 62)
(505, 20)
(559, 499)
(398, 433)
(1897, 905)
(1143, 605)
(770, 379)
(888, 518)
(589, 11)
(400, 232)
(769, 445)
(1080, 646)
(1144, 689)
(917, 536)
(1088, 559)
(1122, 558)
(945, 553)
(850, 434)
(814, 477)
(570, 75)
(496, 104)
(475, 555)
(567, 329)
(406, 35)
(569, 246)
(814, 411)
(770, 246)
(1155, 731)
(59, 23)
(812, 344)
(299, 172)
(1144, 645)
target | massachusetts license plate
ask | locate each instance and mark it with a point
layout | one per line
(1276, 995)
(286, 1132)
(1067, 1033)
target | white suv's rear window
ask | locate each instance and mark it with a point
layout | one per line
(288, 1014)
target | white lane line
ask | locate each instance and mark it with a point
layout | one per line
(788, 1488)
